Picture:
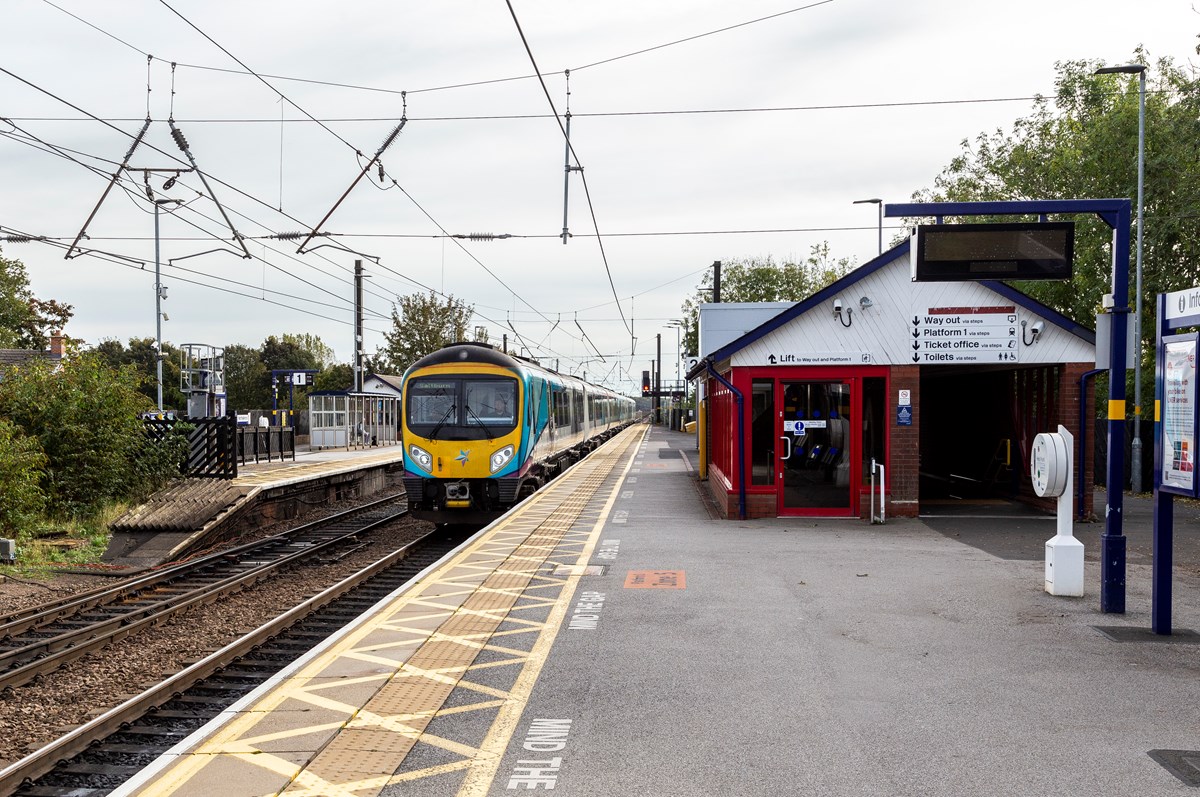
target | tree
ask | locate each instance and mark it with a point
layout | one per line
(1082, 144)
(142, 355)
(760, 279)
(339, 376)
(247, 380)
(83, 414)
(422, 324)
(26, 321)
(322, 354)
(22, 467)
(286, 353)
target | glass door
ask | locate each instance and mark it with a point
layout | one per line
(815, 449)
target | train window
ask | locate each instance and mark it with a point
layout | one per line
(491, 401)
(431, 401)
(562, 409)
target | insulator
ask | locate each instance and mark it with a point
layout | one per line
(180, 141)
(18, 239)
(287, 236)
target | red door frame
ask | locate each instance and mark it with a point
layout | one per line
(851, 375)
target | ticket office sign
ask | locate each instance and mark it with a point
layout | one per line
(1179, 414)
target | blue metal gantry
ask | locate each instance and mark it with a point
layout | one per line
(1117, 214)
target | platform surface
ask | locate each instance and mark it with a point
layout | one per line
(613, 638)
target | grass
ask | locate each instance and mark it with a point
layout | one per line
(55, 543)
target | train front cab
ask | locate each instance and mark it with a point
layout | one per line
(462, 442)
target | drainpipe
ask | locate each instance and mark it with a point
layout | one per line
(741, 433)
(1083, 436)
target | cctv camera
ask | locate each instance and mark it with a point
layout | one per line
(837, 306)
(1037, 327)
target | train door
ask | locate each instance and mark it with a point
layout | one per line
(816, 456)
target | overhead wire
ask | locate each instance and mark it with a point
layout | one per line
(470, 84)
(583, 178)
(338, 137)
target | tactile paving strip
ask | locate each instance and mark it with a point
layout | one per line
(417, 652)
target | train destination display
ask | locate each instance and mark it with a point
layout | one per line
(965, 335)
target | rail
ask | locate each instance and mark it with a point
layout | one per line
(79, 740)
(41, 641)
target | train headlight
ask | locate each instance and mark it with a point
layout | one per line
(422, 458)
(501, 458)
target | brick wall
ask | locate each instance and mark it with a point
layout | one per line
(904, 445)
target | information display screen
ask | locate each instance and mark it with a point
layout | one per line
(964, 252)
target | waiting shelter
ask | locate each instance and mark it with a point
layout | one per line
(349, 419)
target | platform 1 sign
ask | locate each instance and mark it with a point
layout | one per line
(950, 335)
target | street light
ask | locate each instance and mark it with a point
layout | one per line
(160, 292)
(1135, 458)
(879, 202)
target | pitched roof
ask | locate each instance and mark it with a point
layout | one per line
(870, 267)
(17, 356)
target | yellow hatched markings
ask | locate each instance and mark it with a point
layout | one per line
(455, 646)
(516, 549)
(482, 764)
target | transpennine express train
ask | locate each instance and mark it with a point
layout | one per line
(483, 430)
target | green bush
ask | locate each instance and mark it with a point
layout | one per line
(84, 416)
(22, 465)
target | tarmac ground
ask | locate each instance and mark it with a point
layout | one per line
(662, 651)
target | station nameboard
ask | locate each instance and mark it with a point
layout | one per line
(965, 252)
(948, 335)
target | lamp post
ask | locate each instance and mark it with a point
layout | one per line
(879, 202)
(159, 294)
(1135, 457)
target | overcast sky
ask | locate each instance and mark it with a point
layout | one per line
(753, 140)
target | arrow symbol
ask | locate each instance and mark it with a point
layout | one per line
(771, 359)
(916, 345)
(916, 357)
(916, 320)
(916, 333)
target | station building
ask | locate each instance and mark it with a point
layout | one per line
(933, 389)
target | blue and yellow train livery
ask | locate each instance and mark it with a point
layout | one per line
(483, 430)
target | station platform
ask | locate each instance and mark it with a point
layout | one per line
(194, 513)
(611, 636)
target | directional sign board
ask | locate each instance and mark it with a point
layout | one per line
(948, 335)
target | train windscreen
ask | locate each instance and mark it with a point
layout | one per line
(461, 408)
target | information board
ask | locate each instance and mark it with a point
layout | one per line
(951, 335)
(1179, 414)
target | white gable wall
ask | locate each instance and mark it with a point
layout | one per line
(882, 334)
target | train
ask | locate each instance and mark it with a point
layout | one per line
(483, 430)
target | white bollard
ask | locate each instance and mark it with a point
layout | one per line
(1051, 469)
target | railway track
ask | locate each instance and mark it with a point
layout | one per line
(99, 756)
(40, 640)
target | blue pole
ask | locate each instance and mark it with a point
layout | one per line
(1164, 503)
(1083, 436)
(1112, 540)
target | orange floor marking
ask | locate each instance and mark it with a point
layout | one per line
(656, 579)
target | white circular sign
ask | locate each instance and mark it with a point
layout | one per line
(1048, 465)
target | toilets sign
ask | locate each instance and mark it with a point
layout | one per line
(964, 335)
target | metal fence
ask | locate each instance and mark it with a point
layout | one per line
(212, 444)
